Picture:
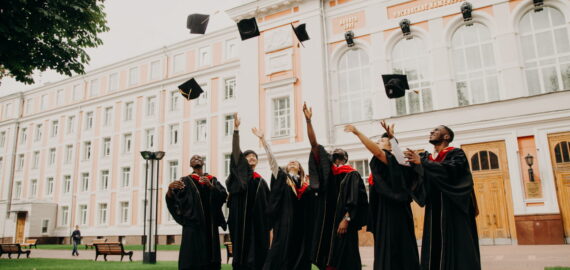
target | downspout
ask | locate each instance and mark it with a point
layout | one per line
(325, 68)
(13, 165)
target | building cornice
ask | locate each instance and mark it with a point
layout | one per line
(259, 8)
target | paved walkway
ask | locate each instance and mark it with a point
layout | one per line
(493, 257)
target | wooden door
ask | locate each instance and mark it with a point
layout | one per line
(418, 220)
(560, 156)
(20, 225)
(488, 163)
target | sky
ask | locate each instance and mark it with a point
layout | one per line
(136, 27)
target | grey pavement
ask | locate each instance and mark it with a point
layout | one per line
(507, 257)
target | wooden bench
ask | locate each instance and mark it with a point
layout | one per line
(96, 241)
(229, 251)
(13, 249)
(111, 248)
(30, 243)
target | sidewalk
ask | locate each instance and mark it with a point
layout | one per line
(493, 257)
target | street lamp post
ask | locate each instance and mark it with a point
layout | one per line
(149, 246)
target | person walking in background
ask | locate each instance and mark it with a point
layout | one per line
(75, 240)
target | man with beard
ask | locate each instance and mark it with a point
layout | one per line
(249, 193)
(341, 206)
(390, 218)
(195, 202)
(289, 213)
(450, 240)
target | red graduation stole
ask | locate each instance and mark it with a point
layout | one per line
(256, 175)
(441, 156)
(302, 189)
(197, 178)
(370, 180)
(342, 169)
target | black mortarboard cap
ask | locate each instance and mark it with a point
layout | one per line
(190, 89)
(301, 33)
(197, 23)
(395, 85)
(248, 28)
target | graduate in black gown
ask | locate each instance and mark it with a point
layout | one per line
(195, 202)
(289, 213)
(450, 240)
(340, 208)
(390, 218)
(247, 202)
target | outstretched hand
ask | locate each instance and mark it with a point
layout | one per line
(388, 128)
(412, 156)
(350, 128)
(308, 111)
(236, 121)
(258, 132)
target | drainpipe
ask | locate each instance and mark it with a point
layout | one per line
(13, 165)
(325, 68)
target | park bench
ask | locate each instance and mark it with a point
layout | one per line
(13, 249)
(30, 243)
(229, 251)
(111, 248)
(95, 241)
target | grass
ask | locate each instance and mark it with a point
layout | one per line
(557, 268)
(127, 247)
(57, 264)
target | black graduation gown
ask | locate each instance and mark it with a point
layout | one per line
(450, 240)
(390, 218)
(247, 221)
(199, 210)
(336, 195)
(289, 215)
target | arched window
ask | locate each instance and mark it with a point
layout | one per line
(562, 152)
(410, 57)
(546, 50)
(484, 160)
(474, 64)
(355, 103)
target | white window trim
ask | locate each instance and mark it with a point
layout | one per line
(280, 92)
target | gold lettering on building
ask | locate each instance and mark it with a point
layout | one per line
(423, 7)
(348, 23)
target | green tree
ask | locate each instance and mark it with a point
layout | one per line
(48, 34)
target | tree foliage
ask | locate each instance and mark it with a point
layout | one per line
(48, 34)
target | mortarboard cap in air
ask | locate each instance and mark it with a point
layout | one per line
(248, 28)
(301, 33)
(197, 23)
(190, 89)
(395, 85)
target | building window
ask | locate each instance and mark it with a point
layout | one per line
(18, 190)
(229, 89)
(66, 184)
(108, 116)
(149, 138)
(227, 159)
(155, 70)
(68, 153)
(54, 128)
(29, 104)
(44, 101)
(546, 50)
(484, 160)
(150, 106)
(104, 184)
(84, 182)
(106, 147)
(23, 136)
(362, 167)
(203, 98)
(178, 63)
(51, 158)
(36, 160)
(174, 134)
(124, 218)
(281, 117)
(126, 177)
(229, 125)
(354, 86)
(562, 152)
(83, 214)
(64, 215)
(128, 111)
(7, 111)
(2, 138)
(88, 120)
(102, 214)
(87, 150)
(94, 88)
(70, 124)
(205, 57)
(33, 188)
(133, 76)
(231, 48)
(474, 64)
(20, 165)
(38, 132)
(127, 140)
(201, 130)
(174, 100)
(49, 187)
(113, 82)
(173, 170)
(410, 57)
(77, 92)
(59, 97)
(45, 225)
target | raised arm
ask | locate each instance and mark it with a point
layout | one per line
(368, 143)
(270, 157)
(308, 111)
(236, 150)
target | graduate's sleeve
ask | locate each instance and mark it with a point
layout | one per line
(319, 168)
(389, 178)
(278, 190)
(452, 177)
(356, 200)
(240, 171)
(220, 195)
(420, 187)
(180, 205)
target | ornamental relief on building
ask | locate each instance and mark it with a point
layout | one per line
(277, 39)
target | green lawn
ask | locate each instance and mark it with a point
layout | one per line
(56, 264)
(127, 247)
(557, 268)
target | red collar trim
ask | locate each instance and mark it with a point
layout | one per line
(302, 190)
(342, 169)
(370, 180)
(197, 178)
(441, 156)
(256, 175)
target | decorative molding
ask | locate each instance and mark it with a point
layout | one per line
(279, 61)
(279, 83)
(259, 8)
(278, 39)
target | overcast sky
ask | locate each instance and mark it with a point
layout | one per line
(139, 26)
